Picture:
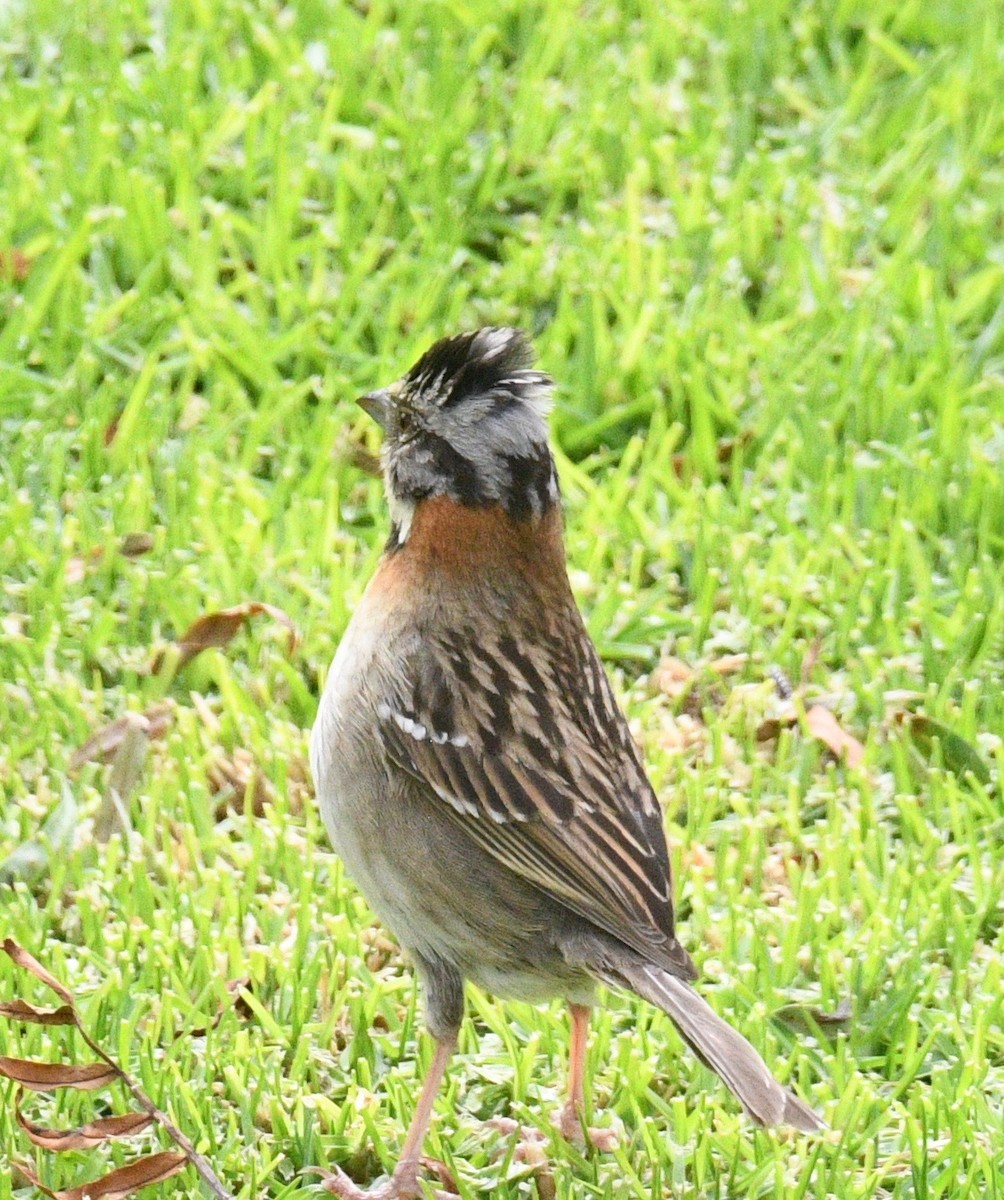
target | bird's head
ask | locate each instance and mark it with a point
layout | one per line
(468, 422)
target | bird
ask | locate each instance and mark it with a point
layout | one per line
(473, 768)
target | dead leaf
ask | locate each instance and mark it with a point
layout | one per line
(241, 989)
(28, 962)
(728, 664)
(299, 784)
(231, 779)
(104, 745)
(45, 1077)
(95, 1133)
(673, 677)
(133, 545)
(825, 727)
(770, 729)
(20, 1010)
(216, 630)
(120, 1183)
(206, 713)
(377, 947)
(14, 265)
(547, 1189)
(725, 451)
(127, 768)
(442, 1172)
(112, 429)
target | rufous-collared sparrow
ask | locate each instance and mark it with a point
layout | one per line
(473, 768)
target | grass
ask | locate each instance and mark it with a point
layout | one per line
(777, 222)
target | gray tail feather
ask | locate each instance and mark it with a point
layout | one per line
(719, 1047)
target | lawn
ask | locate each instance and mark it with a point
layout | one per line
(760, 247)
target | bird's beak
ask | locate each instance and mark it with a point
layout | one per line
(378, 405)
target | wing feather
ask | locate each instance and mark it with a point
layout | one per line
(540, 769)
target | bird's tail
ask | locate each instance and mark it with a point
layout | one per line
(718, 1046)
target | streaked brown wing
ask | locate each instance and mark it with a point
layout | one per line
(530, 753)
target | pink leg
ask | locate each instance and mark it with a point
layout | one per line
(403, 1184)
(570, 1118)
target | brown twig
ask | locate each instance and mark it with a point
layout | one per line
(21, 958)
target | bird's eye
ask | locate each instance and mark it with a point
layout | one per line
(405, 422)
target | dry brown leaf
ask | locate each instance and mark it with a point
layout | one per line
(216, 630)
(377, 947)
(124, 777)
(135, 544)
(237, 988)
(112, 429)
(20, 1010)
(547, 1189)
(232, 778)
(14, 265)
(724, 453)
(44, 1077)
(104, 745)
(27, 962)
(442, 1172)
(206, 713)
(299, 784)
(673, 676)
(729, 664)
(120, 1183)
(770, 729)
(699, 860)
(95, 1133)
(824, 726)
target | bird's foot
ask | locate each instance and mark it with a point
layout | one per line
(402, 1185)
(532, 1141)
(568, 1122)
(531, 1144)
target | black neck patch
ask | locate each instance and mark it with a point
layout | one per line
(525, 485)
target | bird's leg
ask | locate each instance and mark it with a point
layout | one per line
(569, 1120)
(532, 1142)
(403, 1184)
